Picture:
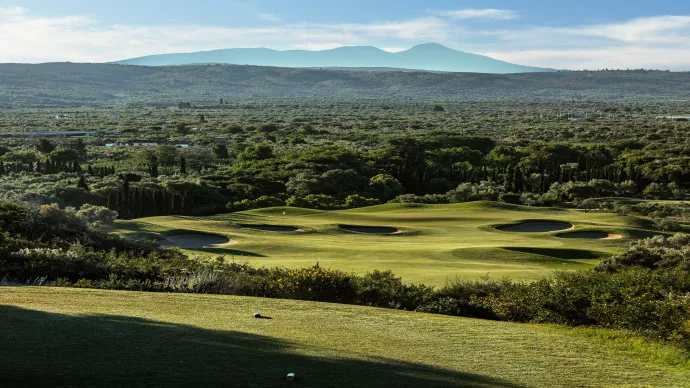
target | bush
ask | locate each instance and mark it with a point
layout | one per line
(356, 200)
(98, 215)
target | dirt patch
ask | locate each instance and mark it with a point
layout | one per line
(272, 228)
(537, 227)
(379, 230)
(591, 236)
(196, 241)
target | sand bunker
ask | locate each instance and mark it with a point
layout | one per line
(195, 241)
(272, 228)
(536, 227)
(591, 235)
(370, 229)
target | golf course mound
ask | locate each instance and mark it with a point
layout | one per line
(272, 228)
(378, 230)
(536, 227)
(593, 235)
(195, 241)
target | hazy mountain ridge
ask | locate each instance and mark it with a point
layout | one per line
(428, 57)
(67, 84)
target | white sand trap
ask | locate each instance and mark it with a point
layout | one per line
(196, 241)
(380, 230)
(591, 235)
(273, 228)
(537, 227)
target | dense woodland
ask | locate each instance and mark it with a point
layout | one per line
(67, 84)
(333, 155)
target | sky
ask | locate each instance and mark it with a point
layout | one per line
(584, 34)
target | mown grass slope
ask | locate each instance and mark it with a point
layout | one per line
(77, 337)
(434, 243)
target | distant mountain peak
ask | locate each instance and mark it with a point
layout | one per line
(425, 57)
(435, 46)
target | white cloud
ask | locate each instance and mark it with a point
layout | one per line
(12, 11)
(654, 42)
(490, 13)
(660, 29)
(270, 17)
(394, 49)
(316, 46)
(611, 57)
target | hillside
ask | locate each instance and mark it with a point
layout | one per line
(66, 84)
(431, 57)
(63, 337)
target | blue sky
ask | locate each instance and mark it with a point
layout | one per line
(585, 34)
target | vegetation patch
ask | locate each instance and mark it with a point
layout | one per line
(536, 227)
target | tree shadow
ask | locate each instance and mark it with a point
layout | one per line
(229, 252)
(56, 350)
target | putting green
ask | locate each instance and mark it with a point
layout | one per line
(436, 243)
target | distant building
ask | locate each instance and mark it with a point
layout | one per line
(154, 143)
(115, 116)
(61, 117)
(673, 117)
(574, 117)
(71, 134)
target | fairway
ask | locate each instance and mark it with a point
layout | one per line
(79, 337)
(422, 243)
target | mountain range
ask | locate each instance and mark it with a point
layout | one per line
(428, 57)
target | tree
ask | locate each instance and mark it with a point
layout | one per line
(167, 155)
(82, 184)
(183, 165)
(44, 146)
(260, 151)
(98, 215)
(588, 204)
(221, 151)
(356, 200)
(64, 155)
(385, 187)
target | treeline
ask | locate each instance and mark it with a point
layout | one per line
(439, 168)
(645, 289)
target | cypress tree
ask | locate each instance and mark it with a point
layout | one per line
(82, 184)
(124, 203)
(183, 165)
(518, 181)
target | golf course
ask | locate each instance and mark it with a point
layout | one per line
(427, 244)
(83, 337)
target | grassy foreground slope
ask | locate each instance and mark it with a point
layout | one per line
(437, 242)
(77, 337)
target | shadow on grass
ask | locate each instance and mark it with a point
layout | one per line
(229, 252)
(48, 349)
(559, 253)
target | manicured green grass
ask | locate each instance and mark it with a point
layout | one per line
(75, 337)
(435, 243)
